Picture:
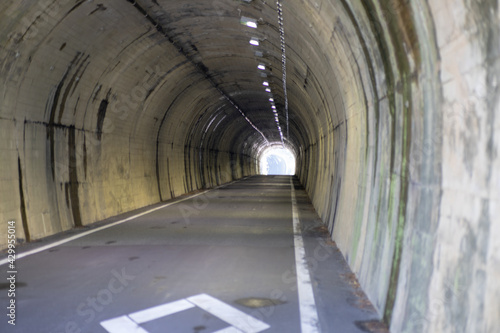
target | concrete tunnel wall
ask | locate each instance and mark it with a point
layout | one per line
(393, 115)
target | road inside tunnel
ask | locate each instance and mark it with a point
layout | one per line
(234, 243)
(391, 109)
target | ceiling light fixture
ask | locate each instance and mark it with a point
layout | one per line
(254, 41)
(249, 22)
(261, 67)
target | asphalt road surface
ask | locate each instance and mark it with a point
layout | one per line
(250, 256)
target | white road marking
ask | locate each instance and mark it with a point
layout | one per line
(240, 322)
(230, 315)
(160, 311)
(122, 324)
(309, 322)
(83, 234)
(229, 330)
(268, 184)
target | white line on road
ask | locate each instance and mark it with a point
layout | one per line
(122, 324)
(229, 330)
(227, 313)
(309, 322)
(240, 322)
(83, 234)
(160, 311)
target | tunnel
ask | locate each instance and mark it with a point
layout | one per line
(390, 107)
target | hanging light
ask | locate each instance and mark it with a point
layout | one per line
(254, 41)
(249, 22)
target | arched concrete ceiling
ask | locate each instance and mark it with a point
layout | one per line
(179, 73)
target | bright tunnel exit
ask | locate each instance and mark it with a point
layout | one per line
(276, 160)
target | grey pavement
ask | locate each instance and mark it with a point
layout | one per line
(234, 244)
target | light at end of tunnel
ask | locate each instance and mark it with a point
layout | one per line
(254, 41)
(277, 160)
(265, 83)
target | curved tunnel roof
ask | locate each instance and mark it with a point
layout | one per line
(175, 72)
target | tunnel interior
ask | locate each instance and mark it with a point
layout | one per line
(390, 108)
(277, 160)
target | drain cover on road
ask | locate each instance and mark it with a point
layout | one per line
(239, 322)
(258, 302)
